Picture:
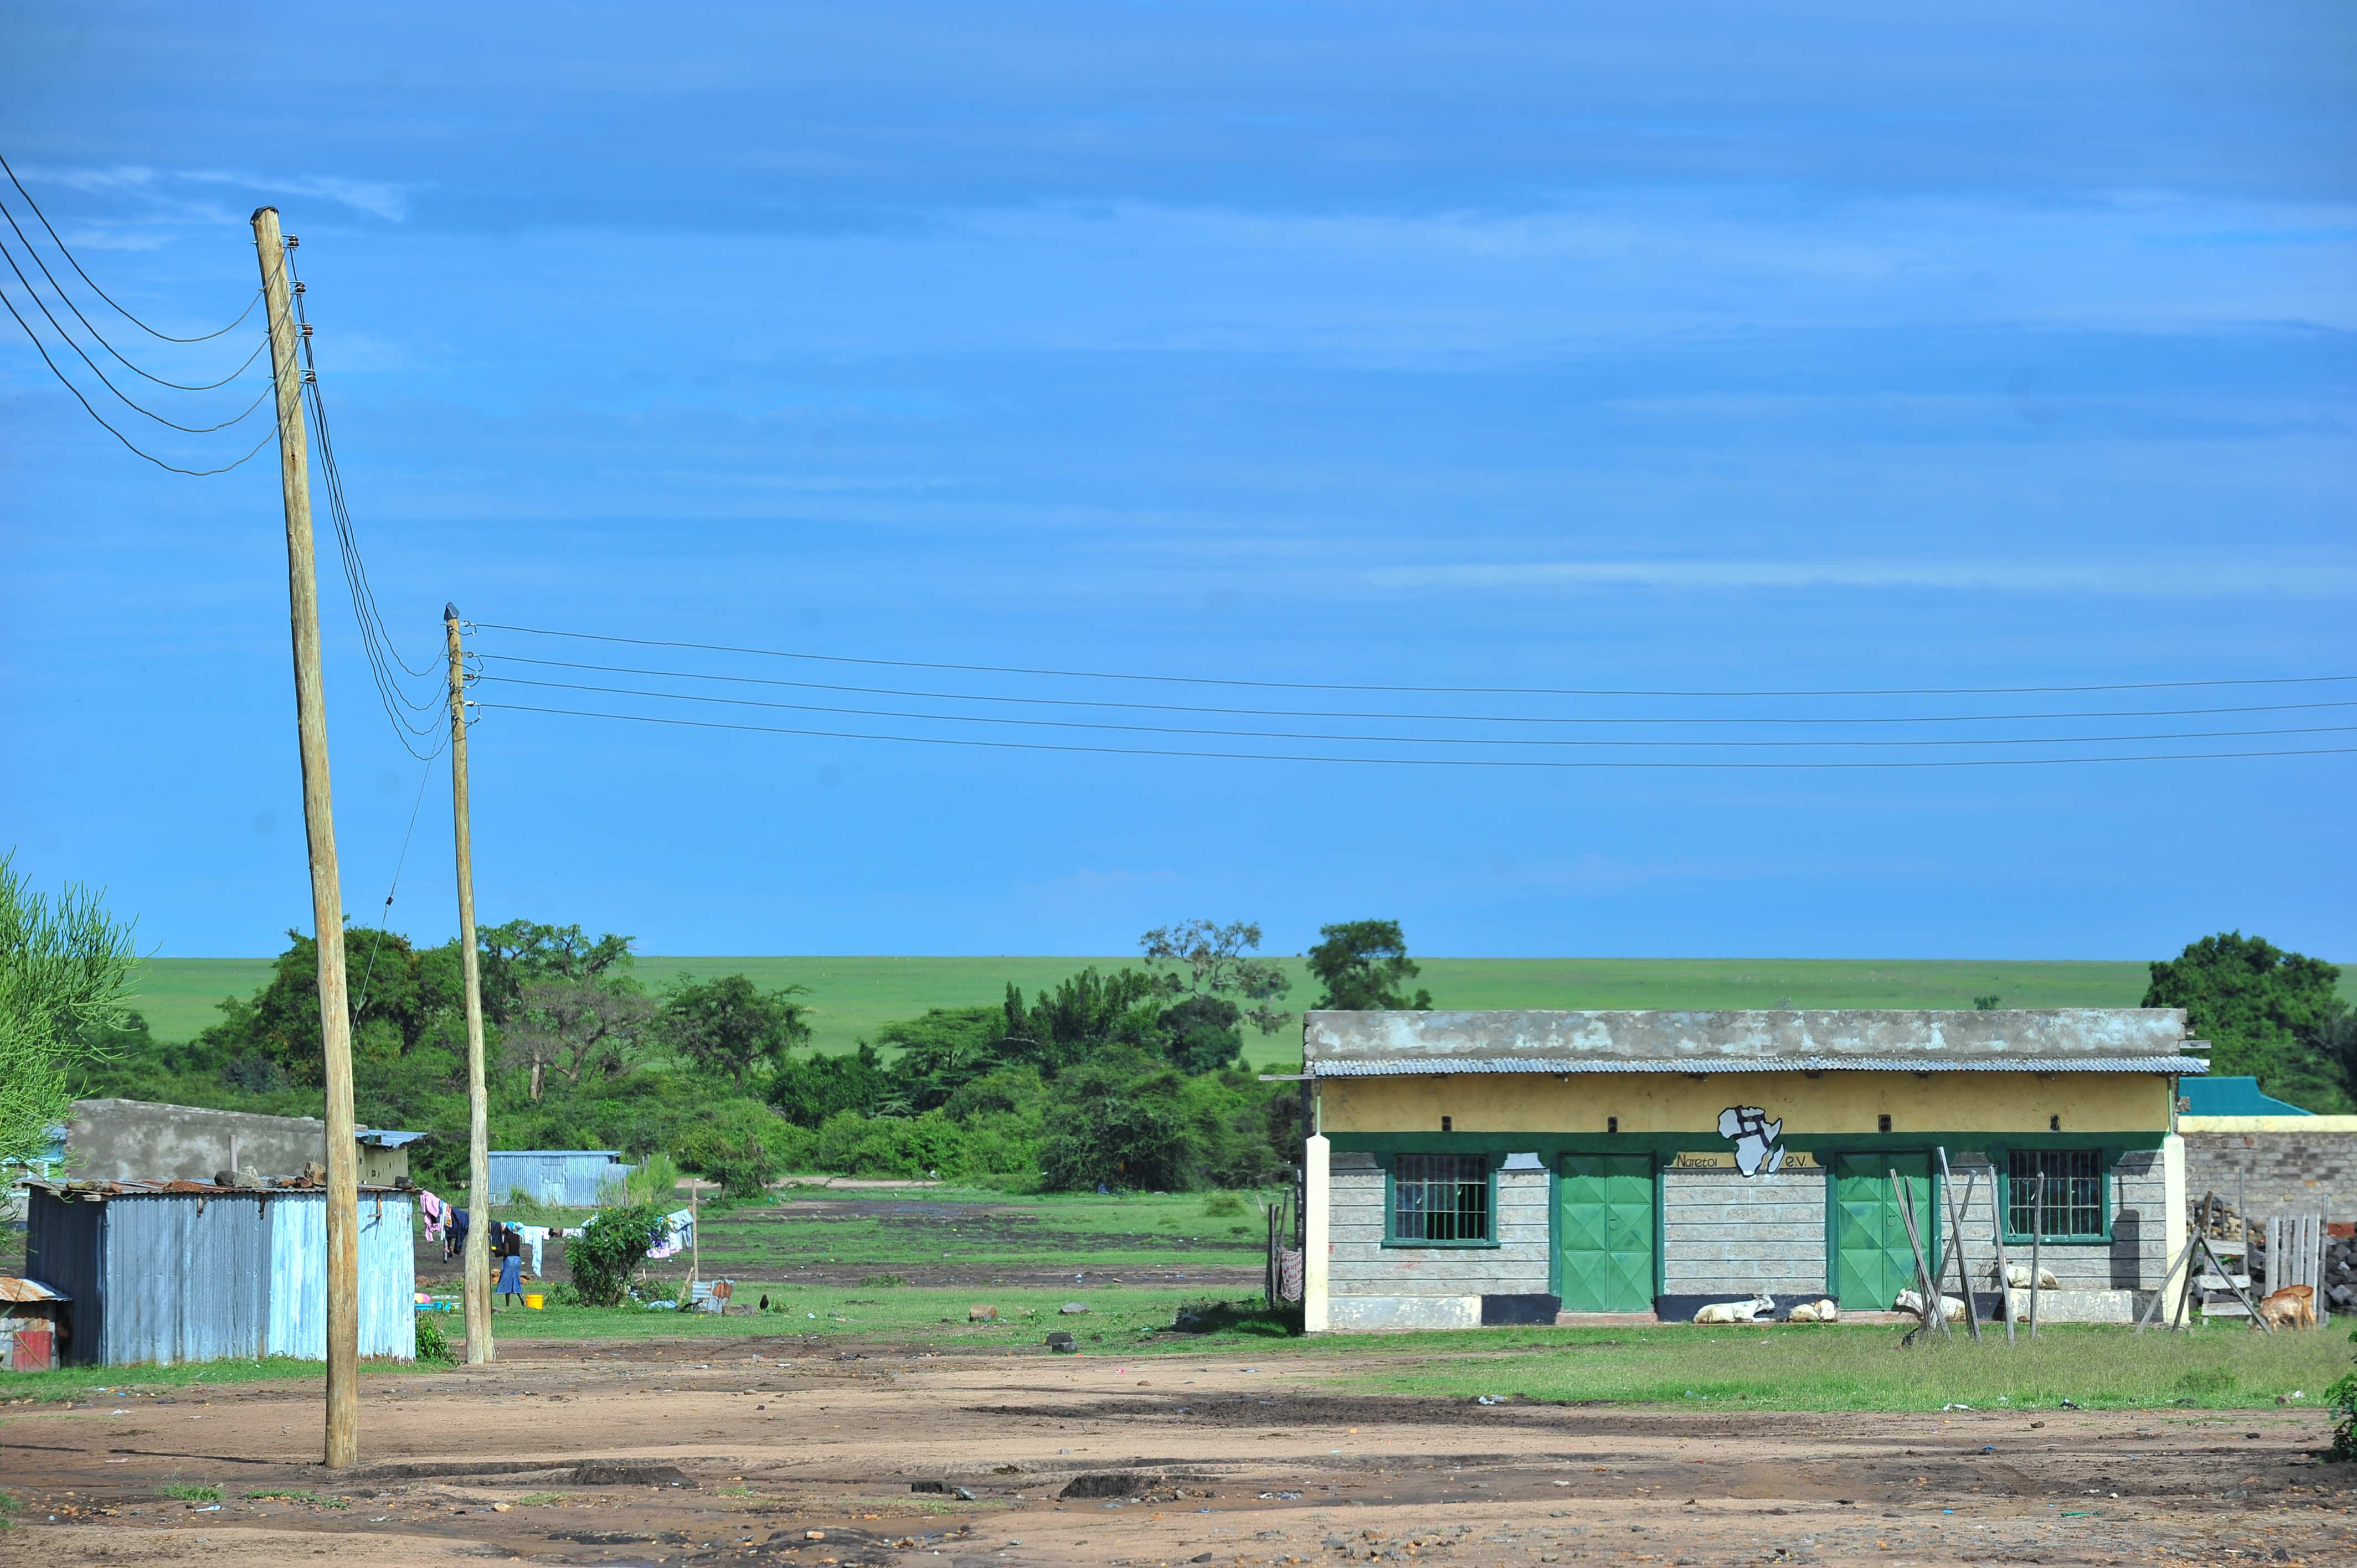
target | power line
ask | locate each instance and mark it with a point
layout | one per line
(1435, 718)
(66, 299)
(1409, 739)
(134, 447)
(83, 355)
(66, 250)
(1438, 691)
(1544, 763)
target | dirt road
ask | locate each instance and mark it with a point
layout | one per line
(573, 1452)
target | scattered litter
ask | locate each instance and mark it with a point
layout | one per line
(2073, 1405)
(1072, 1308)
(1955, 1407)
(1485, 1398)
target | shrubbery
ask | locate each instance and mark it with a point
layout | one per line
(614, 1243)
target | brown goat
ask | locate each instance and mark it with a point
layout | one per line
(2294, 1306)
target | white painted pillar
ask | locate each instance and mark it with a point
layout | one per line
(1315, 1189)
(2175, 1227)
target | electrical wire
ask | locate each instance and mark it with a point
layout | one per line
(1435, 718)
(1410, 739)
(134, 447)
(1442, 691)
(34, 251)
(83, 355)
(385, 918)
(1544, 763)
(66, 250)
(412, 719)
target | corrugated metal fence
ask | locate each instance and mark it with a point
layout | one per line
(177, 1276)
(567, 1178)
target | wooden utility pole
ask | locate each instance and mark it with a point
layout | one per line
(478, 1160)
(320, 823)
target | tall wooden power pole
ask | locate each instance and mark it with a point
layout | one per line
(327, 895)
(478, 1162)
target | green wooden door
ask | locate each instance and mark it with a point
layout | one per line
(1872, 1262)
(1604, 1229)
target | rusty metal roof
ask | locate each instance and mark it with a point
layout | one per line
(17, 1290)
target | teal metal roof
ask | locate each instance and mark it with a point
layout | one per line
(2233, 1097)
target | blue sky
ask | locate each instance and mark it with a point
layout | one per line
(1690, 349)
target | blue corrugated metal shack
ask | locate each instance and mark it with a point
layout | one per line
(182, 1270)
(566, 1178)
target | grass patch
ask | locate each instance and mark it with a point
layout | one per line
(546, 1500)
(1862, 1367)
(187, 1494)
(882, 1282)
(119, 1383)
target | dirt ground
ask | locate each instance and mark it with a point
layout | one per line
(709, 1453)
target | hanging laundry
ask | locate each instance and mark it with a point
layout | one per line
(679, 1233)
(436, 1212)
(534, 1236)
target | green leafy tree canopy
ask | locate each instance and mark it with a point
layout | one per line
(730, 1026)
(2265, 1012)
(1203, 957)
(64, 970)
(1363, 964)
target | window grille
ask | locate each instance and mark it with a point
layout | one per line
(2074, 1193)
(1440, 1198)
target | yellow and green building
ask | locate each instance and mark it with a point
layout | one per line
(1500, 1167)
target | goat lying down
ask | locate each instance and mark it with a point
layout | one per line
(1821, 1311)
(2017, 1276)
(1910, 1301)
(1750, 1311)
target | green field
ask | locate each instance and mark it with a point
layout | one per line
(851, 996)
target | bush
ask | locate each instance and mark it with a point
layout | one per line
(432, 1345)
(614, 1243)
(656, 1180)
(1221, 1205)
(1120, 1122)
(808, 1092)
(742, 1165)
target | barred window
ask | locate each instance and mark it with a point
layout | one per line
(2074, 1193)
(1440, 1198)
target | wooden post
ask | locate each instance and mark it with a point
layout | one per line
(320, 825)
(477, 1264)
(694, 1239)
(2004, 1269)
(1957, 1242)
(1934, 1309)
(2037, 1242)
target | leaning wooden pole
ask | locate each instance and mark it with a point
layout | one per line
(477, 1263)
(343, 1228)
(1956, 1243)
(2004, 1267)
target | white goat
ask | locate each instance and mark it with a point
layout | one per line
(1908, 1301)
(2017, 1276)
(1823, 1311)
(1738, 1311)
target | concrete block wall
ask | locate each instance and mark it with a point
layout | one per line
(1373, 1287)
(1725, 1233)
(2286, 1173)
(2134, 1260)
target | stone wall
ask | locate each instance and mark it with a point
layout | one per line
(2286, 1173)
(138, 1140)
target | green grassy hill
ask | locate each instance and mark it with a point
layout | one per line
(850, 996)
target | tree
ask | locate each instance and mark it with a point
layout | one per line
(1202, 1033)
(731, 1026)
(2263, 1012)
(516, 954)
(64, 970)
(806, 1092)
(574, 1026)
(1216, 961)
(944, 1051)
(1119, 1120)
(1362, 963)
(1083, 1014)
(614, 1243)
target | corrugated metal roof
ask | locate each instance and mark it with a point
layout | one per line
(14, 1289)
(1433, 1066)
